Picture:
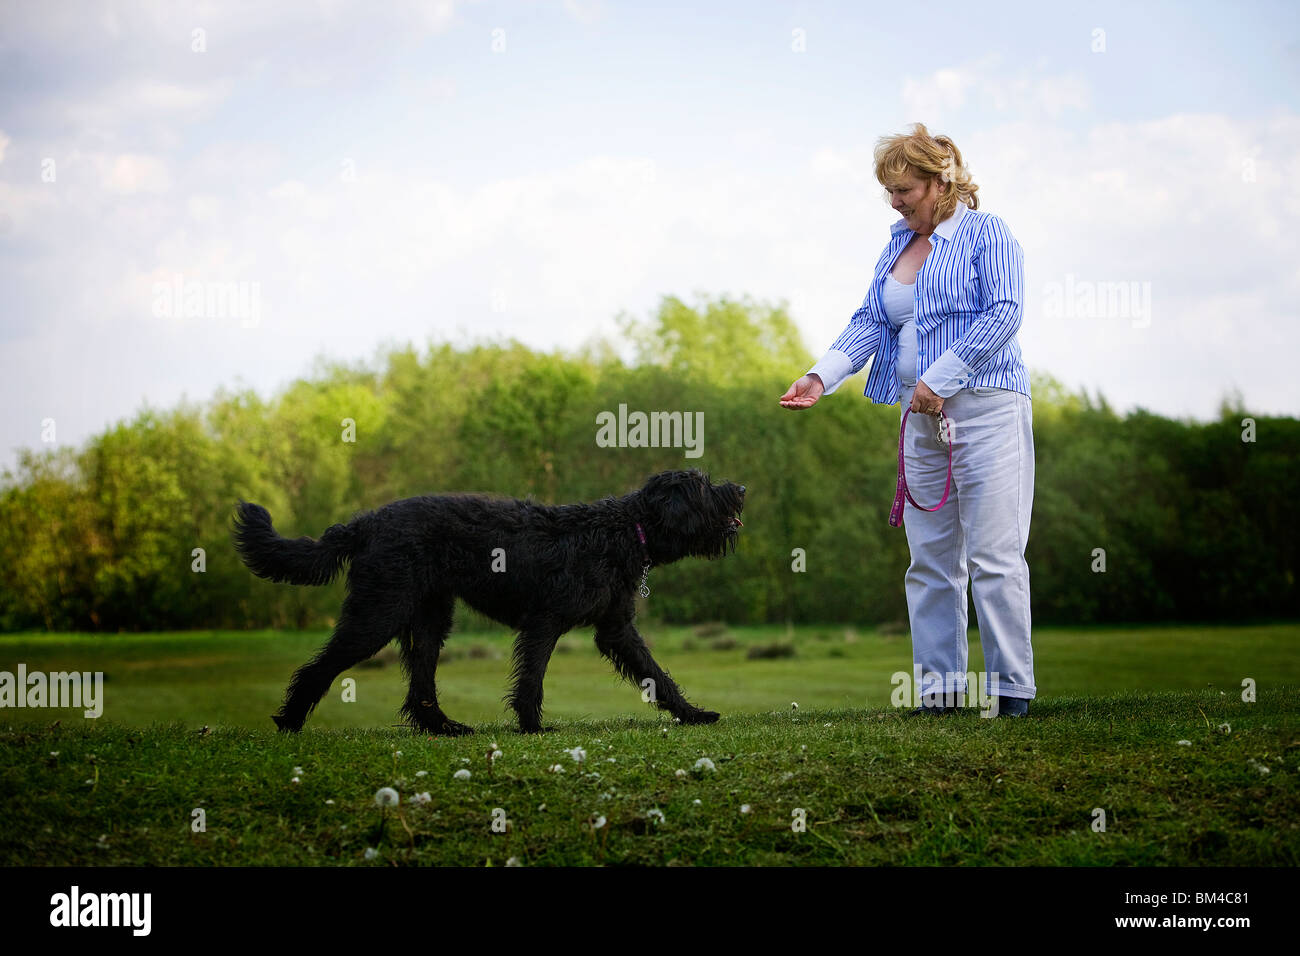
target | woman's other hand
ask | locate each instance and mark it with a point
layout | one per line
(925, 401)
(803, 393)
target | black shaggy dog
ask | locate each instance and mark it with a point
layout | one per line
(540, 569)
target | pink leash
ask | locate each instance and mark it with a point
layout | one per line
(896, 512)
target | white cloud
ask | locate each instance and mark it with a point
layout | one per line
(949, 93)
(133, 173)
(933, 97)
(585, 11)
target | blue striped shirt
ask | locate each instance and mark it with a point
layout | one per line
(969, 302)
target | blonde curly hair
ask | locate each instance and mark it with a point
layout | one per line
(924, 156)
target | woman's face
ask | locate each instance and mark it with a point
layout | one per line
(914, 199)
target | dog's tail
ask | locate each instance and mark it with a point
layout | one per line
(300, 561)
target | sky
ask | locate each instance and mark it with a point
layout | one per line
(363, 175)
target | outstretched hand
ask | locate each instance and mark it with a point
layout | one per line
(803, 393)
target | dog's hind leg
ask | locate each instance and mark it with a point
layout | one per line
(420, 650)
(624, 647)
(356, 637)
(533, 648)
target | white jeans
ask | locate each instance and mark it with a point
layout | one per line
(981, 531)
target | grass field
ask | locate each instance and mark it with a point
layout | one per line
(873, 786)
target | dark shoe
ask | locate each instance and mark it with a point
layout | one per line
(931, 711)
(1013, 707)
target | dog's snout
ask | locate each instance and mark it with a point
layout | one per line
(742, 489)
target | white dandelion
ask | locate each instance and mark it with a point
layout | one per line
(461, 774)
(557, 768)
(578, 754)
(370, 853)
(680, 774)
(655, 816)
(386, 797)
(744, 808)
(1184, 743)
(704, 764)
(421, 798)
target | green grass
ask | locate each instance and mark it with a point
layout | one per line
(876, 786)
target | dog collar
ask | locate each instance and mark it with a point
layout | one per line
(644, 590)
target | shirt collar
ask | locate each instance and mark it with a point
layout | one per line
(944, 230)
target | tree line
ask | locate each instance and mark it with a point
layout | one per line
(1136, 517)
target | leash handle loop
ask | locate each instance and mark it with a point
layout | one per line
(896, 512)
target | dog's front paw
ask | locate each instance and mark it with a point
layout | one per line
(535, 729)
(450, 728)
(286, 725)
(699, 717)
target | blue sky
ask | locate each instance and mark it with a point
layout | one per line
(382, 174)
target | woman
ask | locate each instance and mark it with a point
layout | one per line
(941, 318)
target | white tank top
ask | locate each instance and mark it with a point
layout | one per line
(899, 302)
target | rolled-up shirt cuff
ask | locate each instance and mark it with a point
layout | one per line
(835, 366)
(947, 375)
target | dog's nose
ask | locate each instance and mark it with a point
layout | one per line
(742, 489)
